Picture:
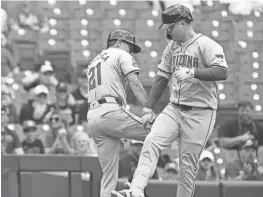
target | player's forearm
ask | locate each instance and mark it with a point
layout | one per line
(157, 90)
(140, 94)
(211, 74)
(137, 88)
(228, 142)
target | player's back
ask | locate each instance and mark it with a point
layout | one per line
(107, 72)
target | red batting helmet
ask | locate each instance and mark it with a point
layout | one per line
(125, 36)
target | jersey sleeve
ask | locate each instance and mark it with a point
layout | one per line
(164, 68)
(213, 54)
(128, 64)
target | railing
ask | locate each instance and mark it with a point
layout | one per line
(13, 166)
(20, 179)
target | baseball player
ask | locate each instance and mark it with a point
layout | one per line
(194, 63)
(108, 120)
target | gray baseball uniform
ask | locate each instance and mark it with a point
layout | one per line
(190, 115)
(109, 122)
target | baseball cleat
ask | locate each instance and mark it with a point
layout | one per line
(125, 193)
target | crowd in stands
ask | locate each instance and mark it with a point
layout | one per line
(53, 118)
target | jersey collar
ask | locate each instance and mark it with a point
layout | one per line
(191, 40)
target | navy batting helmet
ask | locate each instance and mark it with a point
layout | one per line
(125, 36)
(174, 14)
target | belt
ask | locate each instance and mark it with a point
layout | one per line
(187, 108)
(104, 100)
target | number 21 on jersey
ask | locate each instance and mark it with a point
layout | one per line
(94, 76)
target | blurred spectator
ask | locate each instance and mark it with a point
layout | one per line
(129, 161)
(170, 172)
(7, 98)
(8, 62)
(157, 5)
(58, 121)
(235, 132)
(10, 143)
(52, 141)
(78, 144)
(31, 144)
(206, 170)
(81, 97)
(163, 160)
(246, 7)
(162, 5)
(247, 167)
(28, 16)
(3, 20)
(65, 140)
(65, 103)
(37, 109)
(45, 77)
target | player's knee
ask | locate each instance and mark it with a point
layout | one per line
(151, 145)
(105, 194)
(150, 140)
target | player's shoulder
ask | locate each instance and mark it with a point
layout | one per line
(120, 56)
(172, 44)
(206, 41)
(123, 56)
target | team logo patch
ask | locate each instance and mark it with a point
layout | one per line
(134, 63)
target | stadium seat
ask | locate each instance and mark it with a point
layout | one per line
(87, 27)
(121, 14)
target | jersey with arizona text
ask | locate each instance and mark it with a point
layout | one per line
(199, 52)
(107, 74)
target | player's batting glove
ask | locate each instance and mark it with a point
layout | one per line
(183, 73)
(148, 117)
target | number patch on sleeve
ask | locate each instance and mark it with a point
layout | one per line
(134, 63)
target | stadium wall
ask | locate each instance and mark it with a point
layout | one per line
(26, 176)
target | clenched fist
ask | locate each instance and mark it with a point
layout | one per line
(148, 117)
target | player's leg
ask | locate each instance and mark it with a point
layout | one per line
(123, 124)
(108, 154)
(112, 120)
(195, 130)
(164, 131)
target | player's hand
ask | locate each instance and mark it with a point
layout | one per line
(245, 137)
(148, 117)
(183, 73)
